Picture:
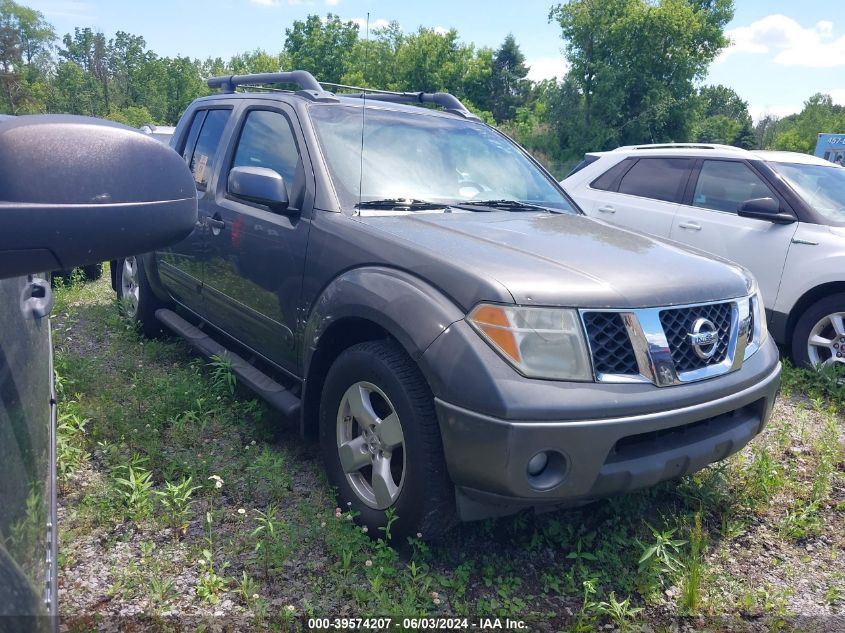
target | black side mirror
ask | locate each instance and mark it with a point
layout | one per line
(259, 184)
(764, 209)
(77, 191)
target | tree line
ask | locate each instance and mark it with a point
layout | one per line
(636, 69)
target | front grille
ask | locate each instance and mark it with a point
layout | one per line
(610, 344)
(677, 324)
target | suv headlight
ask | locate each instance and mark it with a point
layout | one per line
(538, 342)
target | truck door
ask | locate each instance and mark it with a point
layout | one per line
(252, 280)
(180, 266)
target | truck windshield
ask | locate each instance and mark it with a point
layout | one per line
(822, 187)
(427, 158)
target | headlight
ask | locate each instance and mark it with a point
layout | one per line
(538, 342)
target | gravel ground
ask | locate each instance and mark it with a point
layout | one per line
(118, 574)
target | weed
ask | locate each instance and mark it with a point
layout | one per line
(660, 558)
(223, 378)
(176, 499)
(135, 492)
(268, 536)
(621, 613)
(70, 444)
(690, 597)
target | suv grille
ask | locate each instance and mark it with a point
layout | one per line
(610, 345)
(677, 324)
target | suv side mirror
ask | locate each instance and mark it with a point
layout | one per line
(259, 184)
(764, 209)
(76, 191)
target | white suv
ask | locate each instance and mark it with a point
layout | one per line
(779, 214)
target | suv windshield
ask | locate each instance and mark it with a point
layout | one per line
(821, 186)
(427, 158)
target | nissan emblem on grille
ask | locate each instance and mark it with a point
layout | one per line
(704, 338)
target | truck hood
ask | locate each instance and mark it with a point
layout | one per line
(565, 260)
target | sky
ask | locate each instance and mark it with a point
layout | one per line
(782, 51)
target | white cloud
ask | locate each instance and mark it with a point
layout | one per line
(789, 43)
(274, 3)
(838, 95)
(64, 9)
(332, 3)
(380, 23)
(780, 111)
(441, 30)
(547, 68)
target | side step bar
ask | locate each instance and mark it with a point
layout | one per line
(275, 394)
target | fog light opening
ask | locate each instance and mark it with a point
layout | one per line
(546, 469)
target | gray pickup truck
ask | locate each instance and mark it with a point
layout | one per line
(411, 287)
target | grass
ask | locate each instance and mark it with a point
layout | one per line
(186, 497)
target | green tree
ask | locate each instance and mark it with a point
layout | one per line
(634, 62)
(799, 132)
(723, 118)
(508, 84)
(323, 48)
(25, 42)
(89, 50)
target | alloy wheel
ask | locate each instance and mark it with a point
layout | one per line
(371, 445)
(826, 343)
(129, 286)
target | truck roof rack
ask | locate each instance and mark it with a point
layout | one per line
(314, 89)
(447, 101)
(301, 78)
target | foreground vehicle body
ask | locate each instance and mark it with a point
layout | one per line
(460, 338)
(780, 214)
(57, 212)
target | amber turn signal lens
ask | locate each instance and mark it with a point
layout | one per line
(494, 323)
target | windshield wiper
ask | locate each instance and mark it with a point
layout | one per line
(399, 203)
(512, 205)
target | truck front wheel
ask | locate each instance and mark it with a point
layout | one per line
(381, 442)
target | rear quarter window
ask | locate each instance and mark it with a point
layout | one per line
(202, 159)
(657, 178)
(609, 180)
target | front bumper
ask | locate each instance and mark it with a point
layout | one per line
(488, 456)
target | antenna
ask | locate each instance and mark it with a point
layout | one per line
(363, 111)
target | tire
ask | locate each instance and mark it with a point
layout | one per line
(402, 406)
(137, 301)
(822, 321)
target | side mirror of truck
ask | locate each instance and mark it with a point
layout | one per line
(261, 185)
(77, 191)
(764, 209)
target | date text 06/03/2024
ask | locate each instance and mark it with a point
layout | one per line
(419, 624)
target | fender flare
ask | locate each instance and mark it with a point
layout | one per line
(411, 310)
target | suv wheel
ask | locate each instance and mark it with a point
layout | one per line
(381, 441)
(136, 297)
(819, 336)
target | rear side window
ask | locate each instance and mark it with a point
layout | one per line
(608, 181)
(657, 178)
(202, 160)
(193, 133)
(724, 185)
(267, 141)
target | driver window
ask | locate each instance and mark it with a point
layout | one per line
(724, 185)
(267, 141)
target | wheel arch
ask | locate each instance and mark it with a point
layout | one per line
(368, 304)
(806, 300)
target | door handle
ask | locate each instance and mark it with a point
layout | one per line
(216, 224)
(692, 226)
(607, 209)
(37, 299)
